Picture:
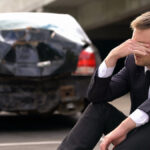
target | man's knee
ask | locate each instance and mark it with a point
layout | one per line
(103, 108)
(98, 109)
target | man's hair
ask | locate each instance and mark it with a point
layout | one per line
(141, 22)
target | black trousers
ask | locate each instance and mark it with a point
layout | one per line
(100, 119)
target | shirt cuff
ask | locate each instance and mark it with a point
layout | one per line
(139, 117)
(103, 71)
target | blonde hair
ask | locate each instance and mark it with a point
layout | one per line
(141, 22)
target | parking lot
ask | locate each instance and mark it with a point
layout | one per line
(40, 133)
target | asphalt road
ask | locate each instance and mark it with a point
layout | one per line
(33, 133)
(40, 133)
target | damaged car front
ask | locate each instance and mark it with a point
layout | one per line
(46, 61)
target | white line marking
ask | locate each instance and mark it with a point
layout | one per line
(29, 143)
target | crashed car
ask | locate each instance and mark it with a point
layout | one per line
(46, 62)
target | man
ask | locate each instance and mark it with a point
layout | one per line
(125, 133)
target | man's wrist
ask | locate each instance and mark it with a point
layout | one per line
(103, 71)
(111, 60)
(139, 117)
(127, 125)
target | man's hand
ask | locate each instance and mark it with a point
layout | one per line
(118, 135)
(115, 137)
(128, 47)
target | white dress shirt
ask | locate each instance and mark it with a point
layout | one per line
(138, 116)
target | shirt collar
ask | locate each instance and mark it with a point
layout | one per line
(146, 69)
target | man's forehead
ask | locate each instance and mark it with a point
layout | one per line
(141, 36)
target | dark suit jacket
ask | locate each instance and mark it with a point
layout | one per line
(130, 79)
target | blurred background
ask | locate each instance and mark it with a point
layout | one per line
(107, 24)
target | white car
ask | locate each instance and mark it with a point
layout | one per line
(46, 62)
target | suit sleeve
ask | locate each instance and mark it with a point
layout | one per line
(108, 89)
(145, 106)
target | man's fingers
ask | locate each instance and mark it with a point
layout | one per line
(113, 148)
(141, 48)
(138, 49)
(140, 43)
(142, 53)
(105, 144)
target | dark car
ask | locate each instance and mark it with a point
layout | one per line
(46, 62)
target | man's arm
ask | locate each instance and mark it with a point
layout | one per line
(106, 89)
(102, 90)
(138, 116)
(104, 71)
(119, 134)
(145, 106)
